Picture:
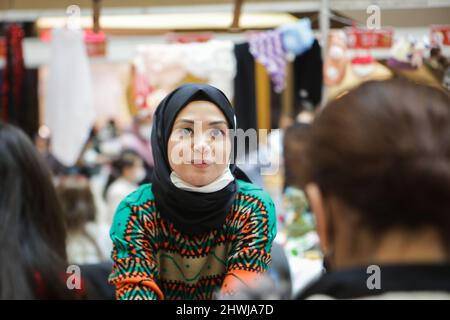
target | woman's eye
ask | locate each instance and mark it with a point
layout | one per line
(217, 133)
(185, 131)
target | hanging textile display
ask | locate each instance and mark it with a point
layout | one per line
(244, 88)
(13, 76)
(335, 58)
(297, 37)
(262, 97)
(69, 111)
(267, 48)
(407, 55)
(308, 79)
(18, 94)
(162, 67)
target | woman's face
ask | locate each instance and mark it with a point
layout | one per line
(199, 146)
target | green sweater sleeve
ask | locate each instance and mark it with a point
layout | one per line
(135, 268)
(253, 230)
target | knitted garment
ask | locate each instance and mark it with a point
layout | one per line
(153, 260)
(267, 48)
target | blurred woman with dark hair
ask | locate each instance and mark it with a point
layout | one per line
(378, 165)
(87, 241)
(32, 232)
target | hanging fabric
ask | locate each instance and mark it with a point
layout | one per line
(267, 48)
(13, 76)
(244, 88)
(335, 58)
(262, 96)
(308, 78)
(69, 110)
(288, 92)
(18, 95)
(166, 65)
(297, 37)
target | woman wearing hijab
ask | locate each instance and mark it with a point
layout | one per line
(201, 228)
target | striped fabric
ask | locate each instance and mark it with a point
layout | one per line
(153, 260)
(267, 48)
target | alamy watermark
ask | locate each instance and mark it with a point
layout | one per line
(73, 281)
(374, 280)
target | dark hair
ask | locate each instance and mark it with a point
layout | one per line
(32, 232)
(384, 150)
(294, 141)
(126, 159)
(77, 201)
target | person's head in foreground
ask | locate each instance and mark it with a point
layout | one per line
(201, 227)
(32, 232)
(379, 185)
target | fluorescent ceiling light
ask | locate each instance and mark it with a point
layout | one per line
(188, 21)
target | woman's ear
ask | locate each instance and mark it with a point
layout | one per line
(317, 203)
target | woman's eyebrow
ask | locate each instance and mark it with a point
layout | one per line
(212, 123)
(186, 121)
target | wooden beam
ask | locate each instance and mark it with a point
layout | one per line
(96, 7)
(236, 14)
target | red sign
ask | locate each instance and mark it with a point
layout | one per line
(440, 35)
(358, 38)
(95, 42)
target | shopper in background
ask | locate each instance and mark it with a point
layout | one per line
(42, 141)
(378, 165)
(32, 234)
(87, 241)
(138, 140)
(127, 171)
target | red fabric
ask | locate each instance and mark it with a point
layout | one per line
(13, 78)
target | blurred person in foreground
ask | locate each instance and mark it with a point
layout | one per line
(378, 181)
(32, 233)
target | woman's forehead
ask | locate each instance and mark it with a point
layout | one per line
(201, 110)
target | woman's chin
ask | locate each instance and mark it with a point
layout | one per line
(200, 179)
(200, 182)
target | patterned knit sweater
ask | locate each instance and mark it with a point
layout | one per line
(154, 260)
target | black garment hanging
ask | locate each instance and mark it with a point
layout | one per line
(244, 88)
(192, 213)
(275, 107)
(26, 114)
(308, 78)
(18, 90)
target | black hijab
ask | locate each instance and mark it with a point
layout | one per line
(191, 212)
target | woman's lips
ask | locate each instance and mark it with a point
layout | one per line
(201, 164)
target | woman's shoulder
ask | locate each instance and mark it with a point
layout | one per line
(258, 193)
(126, 209)
(255, 196)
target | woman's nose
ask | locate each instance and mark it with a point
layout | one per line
(201, 145)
